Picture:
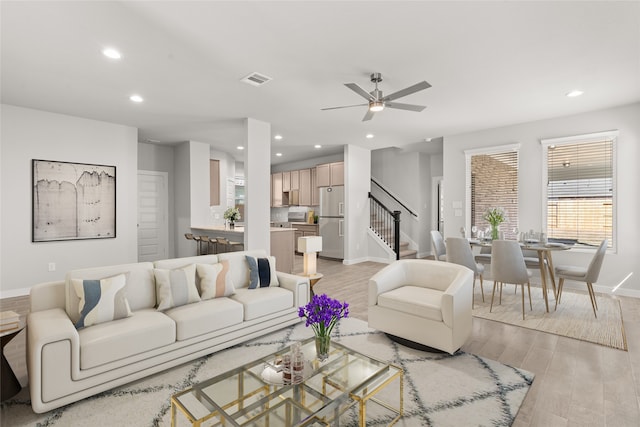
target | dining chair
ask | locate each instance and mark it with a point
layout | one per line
(484, 257)
(437, 243)
(507, 266)
(589, 275)
(459, 252)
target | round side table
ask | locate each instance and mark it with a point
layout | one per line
(313, 279)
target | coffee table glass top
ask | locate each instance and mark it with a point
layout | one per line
(255, 394)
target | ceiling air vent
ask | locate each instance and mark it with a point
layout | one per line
(256, 79)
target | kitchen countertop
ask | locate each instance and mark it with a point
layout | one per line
(237, 229)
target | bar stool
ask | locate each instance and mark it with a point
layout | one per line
(223, 245)
(202, 250)
(236, 246)
(211, 244)
(196, 239)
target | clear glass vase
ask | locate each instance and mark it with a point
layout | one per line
(323, 344)
(495, 232)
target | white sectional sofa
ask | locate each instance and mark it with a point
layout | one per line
(66, 364)
(423, 301)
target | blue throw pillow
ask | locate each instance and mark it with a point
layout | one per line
(262, 272)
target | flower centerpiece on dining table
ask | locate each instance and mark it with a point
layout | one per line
(232, 215)
(495, 217)
(322, 314)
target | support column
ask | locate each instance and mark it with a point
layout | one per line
(257, 169)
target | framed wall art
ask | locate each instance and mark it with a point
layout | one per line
(72, 201)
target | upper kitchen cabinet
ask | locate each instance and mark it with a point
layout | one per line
(286, 181)
(330, 174)
(295, 180)
(305, 187)
(315, 194)
(276, 189)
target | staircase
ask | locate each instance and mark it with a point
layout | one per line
(405, 252)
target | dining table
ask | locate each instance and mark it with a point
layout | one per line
(545, 261)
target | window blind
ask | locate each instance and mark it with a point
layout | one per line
(494, 184)
(580, 192)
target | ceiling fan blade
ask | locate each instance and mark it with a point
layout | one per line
(357, 89)
(368, 116)
(401, 106)
(407, 91)
(344, 106)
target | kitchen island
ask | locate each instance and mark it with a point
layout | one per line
(282, 242)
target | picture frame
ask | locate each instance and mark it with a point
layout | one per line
(72, 201)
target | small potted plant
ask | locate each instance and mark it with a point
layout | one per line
(232, 215)
(322, 314)
(495, 217)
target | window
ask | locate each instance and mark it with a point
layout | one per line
(579, 174)
(492, 182)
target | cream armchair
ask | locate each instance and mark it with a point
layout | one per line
(427, 302)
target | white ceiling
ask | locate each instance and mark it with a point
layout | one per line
(490, 64)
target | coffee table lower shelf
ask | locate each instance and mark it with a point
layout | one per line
(243, 397)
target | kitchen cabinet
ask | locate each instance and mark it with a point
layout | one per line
(315, 194)
(286, 181)
(305, 187)
(276, 189)
(295, 180)
(330, 174)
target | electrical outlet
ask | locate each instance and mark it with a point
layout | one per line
(52, 266)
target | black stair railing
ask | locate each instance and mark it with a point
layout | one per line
(405, 207)
(385, 223)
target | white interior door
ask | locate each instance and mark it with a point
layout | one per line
(153, 230)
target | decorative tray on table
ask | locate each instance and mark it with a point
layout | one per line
(274, 372)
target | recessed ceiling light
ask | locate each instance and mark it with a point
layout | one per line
(574, 93)
(136, 98)
(369, 135)
(279, 154)
(278, 137)
(317, 146)
(112, 53)
(240, 147)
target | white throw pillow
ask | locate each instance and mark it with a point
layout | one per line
(214, 280)
(176, 287)
(101, 300)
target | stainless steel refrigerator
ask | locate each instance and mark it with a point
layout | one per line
(331, 221)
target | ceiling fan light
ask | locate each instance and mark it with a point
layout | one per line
(376, 106)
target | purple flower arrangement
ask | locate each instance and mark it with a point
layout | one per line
(322, 314)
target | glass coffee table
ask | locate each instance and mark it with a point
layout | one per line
(256, 394)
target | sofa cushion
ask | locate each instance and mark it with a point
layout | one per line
(206, 316)
(107, 342)
(419, 301)
(215, 280)
(263, 301)
(176, 287)
(262, 272)
(101, 300)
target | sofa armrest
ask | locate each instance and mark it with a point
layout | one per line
(44, 328)
(299, 285)
(390, 277)
(46, 296)
(457, 299)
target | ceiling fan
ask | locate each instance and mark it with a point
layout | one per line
(377, 102)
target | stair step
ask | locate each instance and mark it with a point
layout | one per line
(408, 253)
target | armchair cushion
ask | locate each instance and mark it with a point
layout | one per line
(421, 302)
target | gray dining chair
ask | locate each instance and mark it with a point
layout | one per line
(507, 266)
(484, 257)
(437, 243)
(459, 252)
(589, 275)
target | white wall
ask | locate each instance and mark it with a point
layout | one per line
(160, 158)
(357, 171)
(257, 184)
(31, 134)
(626, 119)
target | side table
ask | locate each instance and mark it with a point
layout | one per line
(10, 384)
(313, 279)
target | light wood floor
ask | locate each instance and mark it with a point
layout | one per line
(576, 384)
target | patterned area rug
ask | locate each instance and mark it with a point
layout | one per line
(574, 317)
(439, 389)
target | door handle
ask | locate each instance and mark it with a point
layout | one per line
(341, 208)
(341, 228)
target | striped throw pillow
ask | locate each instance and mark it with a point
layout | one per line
(262, 272)
(176, 287)
(214, 280)
(101, 300)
